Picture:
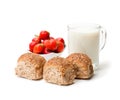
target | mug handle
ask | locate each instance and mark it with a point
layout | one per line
(103, 36)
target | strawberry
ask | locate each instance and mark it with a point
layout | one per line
(46, 51)
(60, 46)
(60, 39)
(44, 43)
(31, 45)
(44, 35)
(51, 38)
(38, 48)
(36, 39)
(51, 44)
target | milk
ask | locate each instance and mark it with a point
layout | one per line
(84, 40)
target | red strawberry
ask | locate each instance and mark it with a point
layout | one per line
(51, 37)
(60, 39)
(51, 44)
(44, 35)
(36, 39)
(46, 51)
(38, 48)
(31, 46)
(60, 46)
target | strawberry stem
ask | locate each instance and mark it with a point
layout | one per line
(36, 35)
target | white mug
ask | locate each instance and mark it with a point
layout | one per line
(87, 38)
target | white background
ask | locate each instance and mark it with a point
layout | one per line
(21, 19)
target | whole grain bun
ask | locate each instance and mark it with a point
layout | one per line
(83, 65)
(30, 66)
(59, 71)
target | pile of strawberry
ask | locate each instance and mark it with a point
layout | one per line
(44, 43)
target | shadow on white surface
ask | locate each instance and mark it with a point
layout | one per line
(102, 69)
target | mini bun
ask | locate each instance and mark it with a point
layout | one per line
(59, 71)
(83, 65)
(30, 66)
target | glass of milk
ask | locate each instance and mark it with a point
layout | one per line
(86, 38)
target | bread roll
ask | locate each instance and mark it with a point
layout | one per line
(59, 71)
(83, 65)
(30, 66)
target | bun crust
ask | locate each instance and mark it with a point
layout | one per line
(83, 65)
(59, 71)
(30, 66)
